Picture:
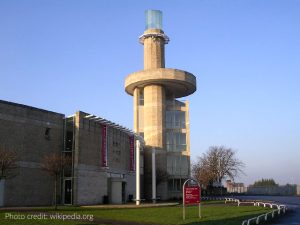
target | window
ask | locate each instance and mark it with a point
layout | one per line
(175, 141)
(175, 185)
(47, 133)
(69, 141)
(175, 119)
(141, 99)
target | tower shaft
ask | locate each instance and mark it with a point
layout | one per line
(154, 94)
(154, 119)
(154, 50)
(158, 116)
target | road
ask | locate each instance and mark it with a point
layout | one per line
(293, 203)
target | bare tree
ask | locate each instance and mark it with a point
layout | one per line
(8, 163)
(54, 164)
(216, 164)
(202, 174)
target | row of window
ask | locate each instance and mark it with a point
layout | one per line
(175, 119)
(168, 102)
(175, 184)
(175, 141)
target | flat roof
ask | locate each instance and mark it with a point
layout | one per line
(29, 107)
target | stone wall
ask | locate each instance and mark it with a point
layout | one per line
(32, 133)
(91, 181)
(91, 185)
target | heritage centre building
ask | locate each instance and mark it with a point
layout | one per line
(103, 167)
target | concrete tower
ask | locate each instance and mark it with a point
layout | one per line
(158, 116)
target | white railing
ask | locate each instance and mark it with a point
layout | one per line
(263, 217)
(213, 198)
(278, 208)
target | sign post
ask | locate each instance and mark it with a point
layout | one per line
(191, 196)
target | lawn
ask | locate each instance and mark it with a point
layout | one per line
(212, 214)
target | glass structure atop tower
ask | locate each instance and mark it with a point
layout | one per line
(153, 19)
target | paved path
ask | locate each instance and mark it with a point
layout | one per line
(123, 206)
(293, 204)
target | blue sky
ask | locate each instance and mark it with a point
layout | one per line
(73, 55)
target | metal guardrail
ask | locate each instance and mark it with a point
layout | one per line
(232, 200)
(213, 198)
(263, 217)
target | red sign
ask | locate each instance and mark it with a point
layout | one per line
(191, 195)
(104, 146)
(131, 143)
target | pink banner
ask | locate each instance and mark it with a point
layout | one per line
(131, 143)
(104, 146)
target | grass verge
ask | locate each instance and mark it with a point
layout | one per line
(212, 214)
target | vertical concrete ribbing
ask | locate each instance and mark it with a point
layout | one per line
(154, 115)
(154, 50)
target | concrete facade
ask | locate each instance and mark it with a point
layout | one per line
(92, 181)
(154, 91)
(34, 133)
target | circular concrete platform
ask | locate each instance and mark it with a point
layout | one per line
(178, 83)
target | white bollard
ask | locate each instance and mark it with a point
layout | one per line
(137, 174)
(153, 177)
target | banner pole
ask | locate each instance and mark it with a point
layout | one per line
(183, 212)
(199, 210)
